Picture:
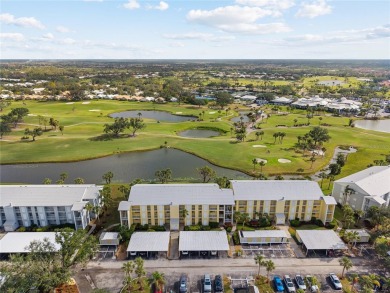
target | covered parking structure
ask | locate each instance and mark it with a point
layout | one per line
(18, 242)
(203, 243)
(148, 244)
(263, 237)
(320, 241)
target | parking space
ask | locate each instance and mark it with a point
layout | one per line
(269, 251)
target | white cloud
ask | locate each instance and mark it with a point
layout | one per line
(176, 45)
(8, 18)
(93, 0)
(314, 9)
(132, 4)
(62, 29)
(161, 6)
(199, 36)
(238, 19)
(67, 41)
(272, 4)
(48, 36)
(17, 37)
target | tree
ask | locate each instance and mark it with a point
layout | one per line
(259, 260)
(164, 175)
(5, 128)
(322, 175)
(353, 278)
(37, 131)
(183, 214)
(366, 283)
(61, 128)
(105, 197)
(158, 280)
(47, 181)
(281, 136)
(60, 182)
(119, 126)
(206, 173)
(241, 217)
(128, 269)
(331, 179)
(275, 135)
(124, 190)
(108, 176)
(351, 237)
(63, 176)
(348, 215)
(346, 263)
(319, 135)
(269, 266)
(4, 104)
(89, 208)
(340, 160)
(79, 180)
(223, 182)
(53, 123)
(262, 164)
(254, 162)
(312, 160)
(223, 99)
(19, 113)
(334, 169)
(136, 124)
(139, 270)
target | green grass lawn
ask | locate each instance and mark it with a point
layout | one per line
(83, 128)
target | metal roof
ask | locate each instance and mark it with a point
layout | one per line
(78, 206)
(149, 241)
(329, 200)
(17, 242)
(276, 190)
(124, 206)
(109, 236)
(361, 232)
(203, 241)
(321, 239)
(264, 233)
(373, 180)
(180, 194)
(46, 195)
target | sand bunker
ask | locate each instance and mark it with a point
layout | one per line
(261, 160)
(31, 115)
(70, 103)
(179, 112)
(94, 110)
(318, 152)
(85, 103)
(211, 112)
(284, 161)
(259, 146)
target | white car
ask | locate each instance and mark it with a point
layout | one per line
(289, 284)
(207, 283)
(313, 287)
(300, 282)
(335, 281)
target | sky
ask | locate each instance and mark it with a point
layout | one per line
(195, 29)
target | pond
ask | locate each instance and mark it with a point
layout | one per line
(377, 125)
(199, 133)
(243, 115)
(126, 167)
(156, 115)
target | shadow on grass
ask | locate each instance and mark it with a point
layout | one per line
(106, 137)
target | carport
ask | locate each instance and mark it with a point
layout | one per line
(148, 244)
(202, 243)
(320, 240)
(263, 237)
(109, 242)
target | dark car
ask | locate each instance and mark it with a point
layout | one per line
(218, 284)
(183, 284)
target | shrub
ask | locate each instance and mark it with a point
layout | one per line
(236, 238)
(295, 223)
(205, 228)
(21, 229)
(332, 224)
(313, 220)
(214, 225)
(158, 228)
(319, 223)
(226, 225)
(229, 229)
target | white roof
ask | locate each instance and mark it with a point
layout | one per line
(281, 100)
(180, 194)
(109, 236)
(248, 97)
(16, 242)
(78, 206)
(264, 233)
(124, 206)
(149, 241)
(203, 241)
(329, 200)
(276, 190)
(46, 195)
(361, 232)
(373, 180)
(321, 239)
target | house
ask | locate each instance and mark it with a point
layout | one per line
(44, 205)
(370, 187)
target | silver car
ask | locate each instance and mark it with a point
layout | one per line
(207, 283)
(289, 284)
(300, 282)
(335, 281)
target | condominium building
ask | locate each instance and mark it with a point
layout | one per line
(175, 204)
(283, 200)
(361, 190)
(190, 204)
(44, 205)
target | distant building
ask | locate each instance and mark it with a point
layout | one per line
(45, 205)
(370, 187)
(281, 101)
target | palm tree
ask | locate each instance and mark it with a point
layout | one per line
(89, 208)
(322, 175)
(354, 278)
(47, 181)
(366, 283)
(139, 270)
(254, 162)
(275, 135)
(346, 263)
(158, 280)
(259, 260)
(63, 176)
(128, 269)
(351, 237)
(262, 164)
(281, 136)
(183, 214)
(269, 266)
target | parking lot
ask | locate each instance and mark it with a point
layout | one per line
(269, 251)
